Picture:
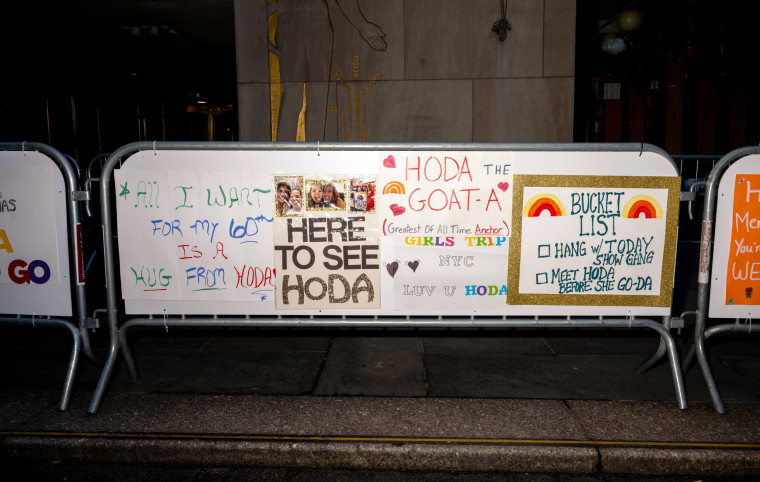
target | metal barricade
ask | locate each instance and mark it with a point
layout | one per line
(57, 302)
(154, 315)
(693, 169)
(708, 273)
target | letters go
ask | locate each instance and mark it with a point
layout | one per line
(21, 273)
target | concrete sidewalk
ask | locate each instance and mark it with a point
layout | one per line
(559, 401)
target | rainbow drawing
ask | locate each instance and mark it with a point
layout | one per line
(541, 203)
(642, 206)
(394, 187)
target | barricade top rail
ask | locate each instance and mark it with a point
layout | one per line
(63, 162)
(717, 172)
(134, 147)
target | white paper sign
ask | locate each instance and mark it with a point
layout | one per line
(445, 194)
(735, 272)
(195, 235)
(34, 239)
(596, 246)
(449, 273)
(28, 248)
(594, 241)
(327, 254)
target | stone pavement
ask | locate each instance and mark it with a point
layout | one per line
(517, 401)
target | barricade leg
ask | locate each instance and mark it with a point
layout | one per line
(72, 366)
(661, 350)
(666, 338)
(128, 359)
(113, 352)
(709, 333)
(688, 359)
(712, 388)
(670, 346)
(105, 375)
(699, 347)
(675, 368)
(693, 350)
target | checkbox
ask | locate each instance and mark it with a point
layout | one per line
(542, 278)
(544, 250)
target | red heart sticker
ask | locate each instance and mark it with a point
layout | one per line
(397, 209)
(503, 186)
(389, 161)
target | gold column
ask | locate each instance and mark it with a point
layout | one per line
(301, 132)
(275, 89)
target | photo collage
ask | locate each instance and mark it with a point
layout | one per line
(297, 195)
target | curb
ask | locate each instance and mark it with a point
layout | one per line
(367, 455)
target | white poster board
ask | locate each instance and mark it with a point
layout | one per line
(610, 242)
(34, 264)
(195, 235)
(446, 194)
(432, 234)
(735, 273)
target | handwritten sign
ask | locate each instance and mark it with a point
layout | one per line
(445, 194)
(328, 254)
(593, 241)
(743, 270)
(734, 275)
(34, 262)
(449, 273)
(28, 249)
(195, 235)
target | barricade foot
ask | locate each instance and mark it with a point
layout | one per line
(128, 359)
(712, 388)
(105, 375)
(661, 350)
(72, 367)
(675, 369)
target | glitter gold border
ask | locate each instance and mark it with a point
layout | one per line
(672, 184)
(310, 181)
(300, 187)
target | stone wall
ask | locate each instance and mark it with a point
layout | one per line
(443, 76)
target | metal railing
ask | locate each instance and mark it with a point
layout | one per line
(118, 340)
(701, 332)
(79, 331)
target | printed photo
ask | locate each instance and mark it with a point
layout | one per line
(288, 196)
(326, 195)
(362, 194)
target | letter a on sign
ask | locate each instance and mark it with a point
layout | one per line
(5, 243)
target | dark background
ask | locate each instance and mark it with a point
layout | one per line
(89, 76)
